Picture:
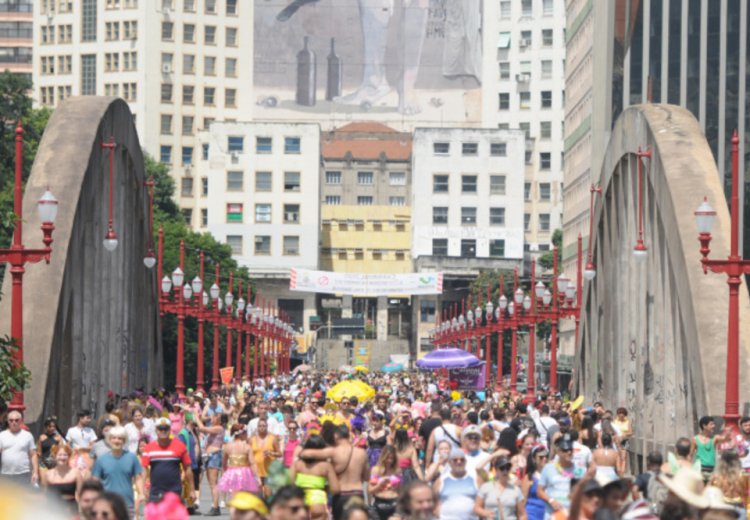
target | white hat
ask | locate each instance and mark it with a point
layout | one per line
(687, 484)
(716, 500)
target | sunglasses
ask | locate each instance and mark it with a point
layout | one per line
(473, 437)
(163, 429)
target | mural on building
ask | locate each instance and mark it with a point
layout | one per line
(390, 59)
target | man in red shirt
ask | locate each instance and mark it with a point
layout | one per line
(166, 458)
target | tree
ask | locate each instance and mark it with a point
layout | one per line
(13, 377)
(548, 258)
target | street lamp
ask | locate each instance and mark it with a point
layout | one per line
(589, 273)
(150, 259)
(640, 252)
(110, 239)
(734, 267)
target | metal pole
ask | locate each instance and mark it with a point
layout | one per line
(731, 404)
(215, 310)
(180, 383)
(531, 369)
(17, 269)
(228, 310)
(201, 314)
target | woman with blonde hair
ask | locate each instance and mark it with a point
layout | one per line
(730, 479)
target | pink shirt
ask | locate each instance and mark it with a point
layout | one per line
(289, 452)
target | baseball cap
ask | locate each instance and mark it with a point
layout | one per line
(471, 430)
(161, 422)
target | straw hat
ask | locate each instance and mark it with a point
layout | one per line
(687, 484)
(716, 500)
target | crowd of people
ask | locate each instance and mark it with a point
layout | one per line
(413, 449)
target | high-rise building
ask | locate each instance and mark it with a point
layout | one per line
(16, 36)
(523, 88)
(180, 65)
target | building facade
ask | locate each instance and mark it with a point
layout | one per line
(179, 64)
(16, 36)
(467, 211)
(257, 189)
(524, 71)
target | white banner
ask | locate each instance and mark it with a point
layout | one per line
(364, 284)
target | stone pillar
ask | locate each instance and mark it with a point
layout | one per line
(346, 306)
(382, 319)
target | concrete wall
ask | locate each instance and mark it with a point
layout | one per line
(90, 316)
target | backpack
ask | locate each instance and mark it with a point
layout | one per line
(656, 493)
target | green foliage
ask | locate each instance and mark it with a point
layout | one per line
(547, 259)
(12, 376)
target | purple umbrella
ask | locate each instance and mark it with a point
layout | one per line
(448, 358)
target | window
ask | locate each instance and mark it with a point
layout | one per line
(64, 92)
(187, 214)
(441, 148)
(468, 248)
(545, 161)
(505, 10)
(204, 217)
(439, 184)
(397, 201)
(188, 64)
(187, 125)
(527, 191)
(262, 245)
(209, 66)
(547, 37)
(333, 177)
(546, 69)
(526, 8)
(364, 178)
(263, 213)
(497, 184)
(230, 37)
(204, 152)
(497, 216)
(188, 33)
(292, 145)
(88, 20)
(188, 6)
(468, 184)
(167, 31)
(546, 99)
(364, 200)
(65, 34)
(440, 215)
(165, 154)
(548, 7)
(291, 213)
(526, 127)
(204, 186)
(524, 100)
(397, 178)
(209, 33)
(130, 92)
(231, 6)
(188, 92)
(545, 129)
(235, 181)
(544, 222)
(503, 40)
(545, 192)
(234, 212)
(263, 145)
(469, 148)
(186, 187)
(111, 62)
(439, 247)
(498, 149)
(497, 248)
(235, 143)
(187, 155)
(166, 124)
(230, 67)
(210, 6)
(503, 101)
(427, 311)
(526, 39)
(130, 60)
(130, 30)
(112, 89)
(468, 216)
(333, 200)
(88, 75)
(526, 221)
(290, 246)
(504, 70)
(291, 181)
(263, 181)
(235, 242)
(230, 97)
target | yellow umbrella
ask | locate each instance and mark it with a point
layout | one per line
(351, 388)
(361, 369)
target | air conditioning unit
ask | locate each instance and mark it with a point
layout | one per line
(235, 157)
(523, 78)
(524, 42)
(188, 169)
(166, 68)
(290, 217)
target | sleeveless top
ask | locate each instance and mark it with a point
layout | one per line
(377, 443)
(535, 505)
(457, 497)
(259, 449)
(238, 459)
(64, 489)
(445, 432)
(705, 452)
(289, 452)
(47, 445)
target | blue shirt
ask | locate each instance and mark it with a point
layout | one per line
(117, 474)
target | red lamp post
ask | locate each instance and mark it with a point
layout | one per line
(590, 272)
(201, 313)
(182, 293)
(18, 255)
(150, 259)
(734, 266)
(214, 295)
(640, 251)
(110, 239)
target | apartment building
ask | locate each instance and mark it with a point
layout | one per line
(467, 210)
(255, 187)
(16, 36)
(523, 88)
(179, 64)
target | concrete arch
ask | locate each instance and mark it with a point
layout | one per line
(90, 316)
(653, 335)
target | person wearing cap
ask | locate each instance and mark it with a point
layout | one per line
(555, 479)
(500, 494)
(457, 489)
(246, 506)
(166, 460)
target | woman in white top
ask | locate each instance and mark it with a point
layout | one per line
(445, 432)
(137, 429)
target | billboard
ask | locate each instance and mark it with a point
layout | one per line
(407, 62)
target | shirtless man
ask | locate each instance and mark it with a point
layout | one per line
(351, 466)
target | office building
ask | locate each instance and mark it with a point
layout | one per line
(16, 36)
